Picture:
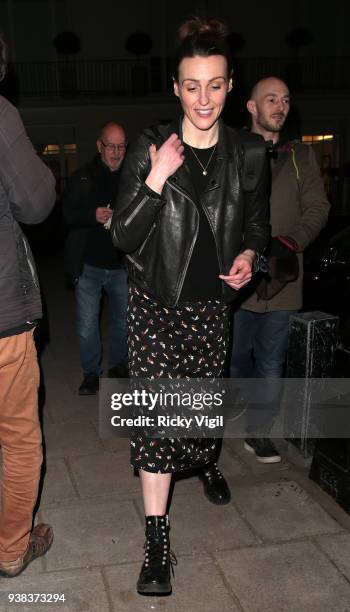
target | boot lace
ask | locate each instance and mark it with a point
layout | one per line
(158, 554)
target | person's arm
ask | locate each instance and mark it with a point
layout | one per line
(256, 233)
(313, 202)
(256, 230)
(29, 184)
(78, 209)
(139, 199)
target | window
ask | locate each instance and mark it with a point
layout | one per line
(51, 149)
(70, 149)
(326, 151)
(316, 138)
(61, 160)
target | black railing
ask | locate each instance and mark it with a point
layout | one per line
(303, 74)
(141, 76)
(77, 78)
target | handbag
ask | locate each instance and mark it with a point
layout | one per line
(282, 268)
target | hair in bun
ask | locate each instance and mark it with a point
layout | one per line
(197, 26)
(203, 37)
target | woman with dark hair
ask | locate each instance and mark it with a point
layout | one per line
(191, 236)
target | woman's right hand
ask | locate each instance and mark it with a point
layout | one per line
(165, 161)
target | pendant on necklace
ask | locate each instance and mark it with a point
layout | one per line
(204, 173)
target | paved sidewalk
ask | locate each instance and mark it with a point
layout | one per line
(282, 544)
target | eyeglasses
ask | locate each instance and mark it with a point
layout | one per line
(114, 147)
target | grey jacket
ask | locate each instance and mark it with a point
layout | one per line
(27, 194)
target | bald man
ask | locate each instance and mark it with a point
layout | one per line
(298, 211)
(92, 262)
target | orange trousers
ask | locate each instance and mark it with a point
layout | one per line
(20, 440)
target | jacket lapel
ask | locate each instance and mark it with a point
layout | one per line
(182, 177)
(224, 151)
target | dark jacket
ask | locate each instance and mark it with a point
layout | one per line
(79, 213)
(27, 195)
(158, 232)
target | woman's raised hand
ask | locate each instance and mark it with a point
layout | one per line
(165, 161)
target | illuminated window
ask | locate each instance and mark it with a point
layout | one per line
(51, 149)
(311, 139)
(61, 159)
(70, 148)
(54, 149)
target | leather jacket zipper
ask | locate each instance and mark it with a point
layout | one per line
(135, 211)
(147, 238)
(182, 278)
(135, 263)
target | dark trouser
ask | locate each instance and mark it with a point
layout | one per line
(259, 349)
(88, 294)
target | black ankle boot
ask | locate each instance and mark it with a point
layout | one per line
(215, 486)
(154, 578)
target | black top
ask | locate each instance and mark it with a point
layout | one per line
(202, 277)
(100, 251)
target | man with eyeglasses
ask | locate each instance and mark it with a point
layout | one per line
(92, 262)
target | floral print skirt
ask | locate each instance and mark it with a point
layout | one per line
(189, 341)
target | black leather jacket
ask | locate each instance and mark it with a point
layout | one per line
(158, 232)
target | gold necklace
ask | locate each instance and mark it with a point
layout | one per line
(204, 168)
